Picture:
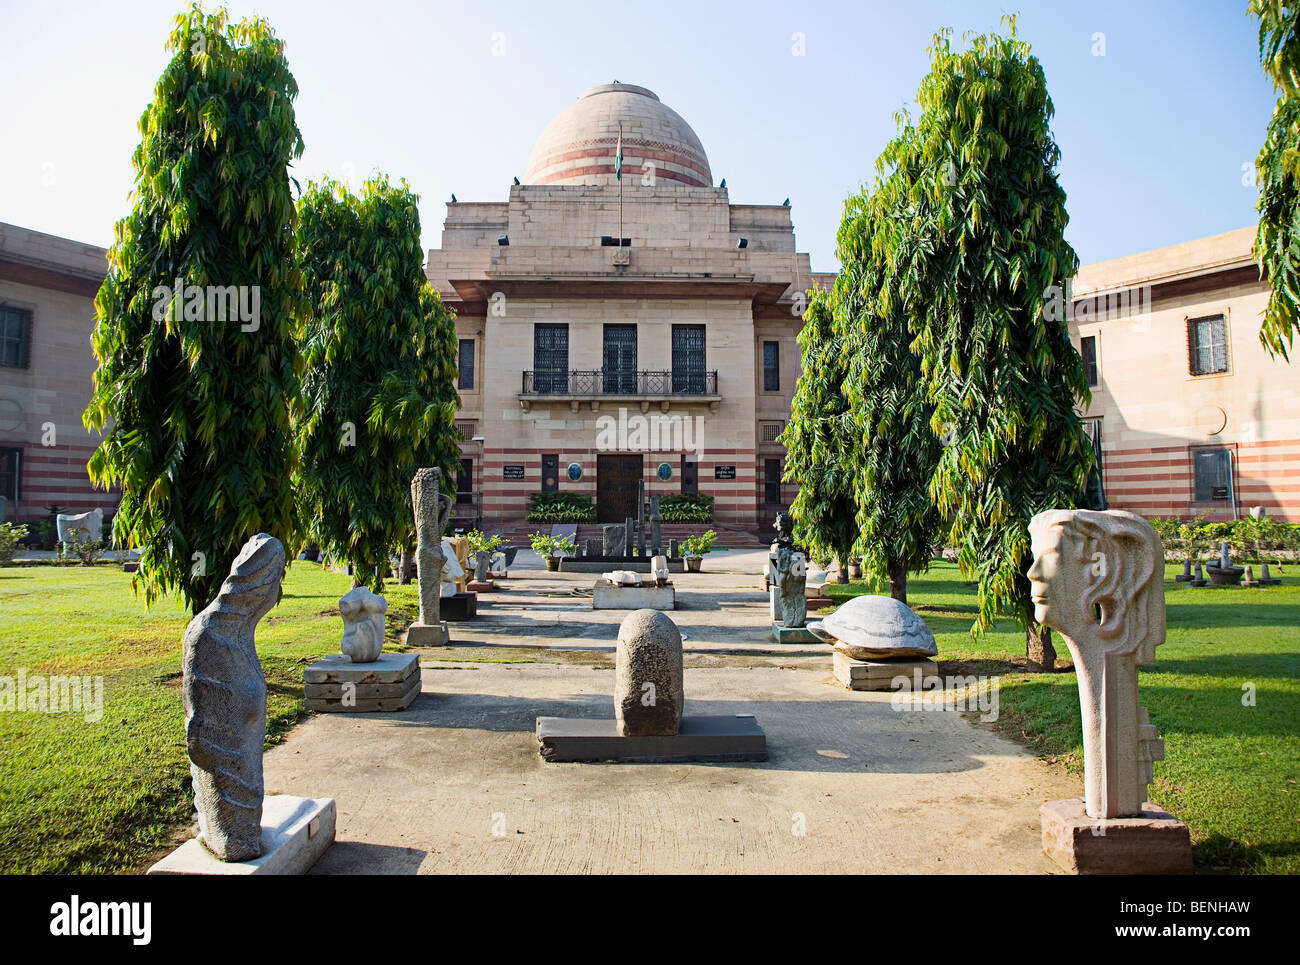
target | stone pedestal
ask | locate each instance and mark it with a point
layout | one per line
(459, 608)
(879, 674)
(737, 738)
(610, 596)
(794, 634)
(427, 635)
(1156, 843)
(817, 602)
(479, 586)
(296, 831)
(336, 685)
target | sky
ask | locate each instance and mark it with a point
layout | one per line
(1161, 108)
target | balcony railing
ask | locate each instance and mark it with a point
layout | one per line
(596, 383)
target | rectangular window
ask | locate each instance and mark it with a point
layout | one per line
(1212, 471)
(466, 380)
(620, 359)
(465, 482)
(771, 367)
(551, 358)
(1207, 345)
(15, 337)
(688, 359)
(772, 481)
(467, 428)
(10, 463)
(1088, 349)
(690, 475)
(768, 431)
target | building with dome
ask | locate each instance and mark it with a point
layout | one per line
(616, 329)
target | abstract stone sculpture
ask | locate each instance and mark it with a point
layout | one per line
(648, 695)
(224, 695)
(451, 571)
(659, 569)
(91, 525)
(432, 510)
(876, 628)
(363, 624)
(789, 573)
(615, 540)
(1097, 578)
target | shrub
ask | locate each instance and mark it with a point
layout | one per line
(10, 536)
(698, 545)
(82, 546)
(545, 545)
(559, 507)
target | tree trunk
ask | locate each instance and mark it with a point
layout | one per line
(842, 573)
(898, 582)
(1040, 655)
(406, 568)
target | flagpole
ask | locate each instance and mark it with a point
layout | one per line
(618, 161)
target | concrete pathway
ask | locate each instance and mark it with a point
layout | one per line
(455, 784)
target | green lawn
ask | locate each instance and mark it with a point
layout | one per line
(81, 796)
(1230, 771)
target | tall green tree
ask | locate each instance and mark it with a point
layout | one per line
(896, 449)
(1277, 241)
(818, 443)
(378, 386)
(986, 264)
(194, 333)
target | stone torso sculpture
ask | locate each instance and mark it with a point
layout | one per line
(451, 570)
(1097, 578)
(789, 573)
(363, 624)
(432, 511)
(224, 694)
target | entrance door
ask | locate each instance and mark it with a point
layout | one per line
(550, 473)
(690, 476)
(617, 476)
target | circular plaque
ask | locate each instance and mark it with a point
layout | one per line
(665, 471)
(575, 471)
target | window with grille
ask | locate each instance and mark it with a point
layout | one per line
(15, 337)
(467, 428)
(10, 461)
(768, 431)
(1207, 345)
(1212, 473)
(771, 367)
(466, 379)
(772, 481)
(465, 482)
(620, 359)
(1088, 349)
(551, 358)
(688, 359)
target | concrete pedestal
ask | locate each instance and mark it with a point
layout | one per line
(737, 738)
(296, 831)
(458, 608)
(480, 586)
(1156, 843)
(428, 635)
(880, 674)
(610, 596)
(817, 602)
(794, 634)
(336, 685)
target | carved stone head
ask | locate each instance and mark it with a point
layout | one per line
(1099, 576)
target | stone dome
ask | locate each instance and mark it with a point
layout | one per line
(577, 147)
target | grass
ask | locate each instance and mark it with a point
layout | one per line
(100, 796)
(1230, 769)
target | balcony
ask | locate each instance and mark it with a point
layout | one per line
(593, 386)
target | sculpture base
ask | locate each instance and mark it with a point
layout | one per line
(499, 576)
(817, 602)
(880, 674)
(794, 634)
(296, 831)
(336, 685)
(1156, 843)
(737, 738)
(427, 635)
(480, 586)
(458, 608)
(610, 596)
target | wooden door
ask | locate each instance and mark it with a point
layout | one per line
(617, 476)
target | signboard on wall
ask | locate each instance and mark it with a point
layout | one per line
(724, 472)
(512, 472)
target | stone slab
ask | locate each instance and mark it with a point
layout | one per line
(1156, 843)
(337, 668)
(607, 596)
(714, 738)
(817, 602)
(458, 608)
(479, 586)
(878, 674)
(296, 831)
(427, 635)
(794, 634)
(361, 704)
(637, 564)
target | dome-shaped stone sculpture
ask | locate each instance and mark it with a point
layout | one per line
(876, 628)
(578, 146)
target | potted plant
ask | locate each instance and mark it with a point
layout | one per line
(551, 548)
(694, 548)
(483, 547)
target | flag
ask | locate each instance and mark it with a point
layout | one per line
(618, 156)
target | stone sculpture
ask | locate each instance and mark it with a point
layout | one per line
(224, 695)
(648, 696)
(90, 524)
(432, 511)
(363, 624)
(784, 526)
(1224, 573)
(623, 577)
(876, 628)
(451, 571)
(615, 540)
(1097, 579)
(659, 569)
(789, 577)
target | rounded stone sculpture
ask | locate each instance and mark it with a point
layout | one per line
(224, 695)
(648, 676)
(363, 624)
(876, 628)
(432, 511)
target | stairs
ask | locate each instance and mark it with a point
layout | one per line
(516, 532)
